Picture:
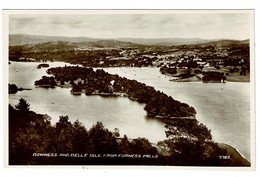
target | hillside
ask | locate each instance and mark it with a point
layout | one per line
(62, 46)
(21, 39)
(165, 41)
(226, 42)
(113, 44)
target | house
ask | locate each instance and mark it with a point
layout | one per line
(215, 62)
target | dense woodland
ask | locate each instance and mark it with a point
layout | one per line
(46, 82)
(157, 103)
(31, 134)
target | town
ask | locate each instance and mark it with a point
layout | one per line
(217, 60)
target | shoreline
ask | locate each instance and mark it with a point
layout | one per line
(170, 75)
(191, 79)
(120, 94)
(240, 81)
(68, 86)
(235, 153)
(175, 118)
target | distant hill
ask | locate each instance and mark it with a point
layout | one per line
(113, 44)
(227, 42)
(164, 41)
(64, 45)
(21, 39)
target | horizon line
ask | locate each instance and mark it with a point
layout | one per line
(132, 37)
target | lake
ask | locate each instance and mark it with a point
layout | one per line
(222, 107)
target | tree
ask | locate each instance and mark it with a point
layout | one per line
(116, 132)
(65, 135)
(23, 105)
(63, 123)
(80, 141)
(12, 88)
(125, 145)
(143, 146)
(191, 129)
(101, 139)
(190, 143)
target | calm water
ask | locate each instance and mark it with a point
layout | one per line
(224, 108)
(119, 112)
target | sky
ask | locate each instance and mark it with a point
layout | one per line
(187, 25)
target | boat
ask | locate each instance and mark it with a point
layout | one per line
(44, 65)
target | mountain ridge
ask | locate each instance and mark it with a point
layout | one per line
(21, 39)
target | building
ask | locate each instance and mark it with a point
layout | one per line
(215, 62)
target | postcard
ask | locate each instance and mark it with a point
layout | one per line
(145, 88)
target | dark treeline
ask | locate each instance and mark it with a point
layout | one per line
(31, 134)
(167, 70)
(213, 76)
(157, 103)
(46, 81)
(12, 88)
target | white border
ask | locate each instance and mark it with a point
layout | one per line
(36, 12)
(170, 4)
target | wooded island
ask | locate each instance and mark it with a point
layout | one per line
(83, 79)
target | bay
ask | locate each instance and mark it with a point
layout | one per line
(223, 108)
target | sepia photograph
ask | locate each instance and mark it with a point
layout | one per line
(130, 88)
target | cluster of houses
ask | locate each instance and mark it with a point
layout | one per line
(194, 61)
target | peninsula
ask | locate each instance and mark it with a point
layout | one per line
(99, 82)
